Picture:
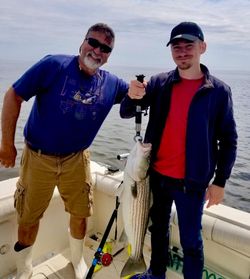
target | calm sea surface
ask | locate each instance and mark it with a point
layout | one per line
(116, 135)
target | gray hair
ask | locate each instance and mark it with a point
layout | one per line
(103, 28)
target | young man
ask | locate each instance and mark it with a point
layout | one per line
(72, 98)
(193, 134)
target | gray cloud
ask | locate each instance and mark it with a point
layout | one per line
(31, 28)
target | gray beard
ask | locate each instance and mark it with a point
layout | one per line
(90, 64)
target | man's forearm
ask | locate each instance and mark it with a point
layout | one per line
(10, 113)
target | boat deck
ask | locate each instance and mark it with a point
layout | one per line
(225, 234)
(60, 267)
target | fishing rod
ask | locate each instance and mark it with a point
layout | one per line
(138, 113)
(105, 258)
(138, 121)
(100, 257)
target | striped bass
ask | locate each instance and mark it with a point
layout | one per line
(135, 201)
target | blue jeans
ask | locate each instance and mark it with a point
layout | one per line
(189, 206)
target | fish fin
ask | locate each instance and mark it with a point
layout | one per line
(133, 266)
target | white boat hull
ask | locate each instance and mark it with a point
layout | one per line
(226, 234)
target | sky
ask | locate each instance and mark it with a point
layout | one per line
(30, 29)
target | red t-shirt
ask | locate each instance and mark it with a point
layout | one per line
(170, 160)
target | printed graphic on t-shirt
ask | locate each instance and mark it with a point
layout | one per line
(82, 98)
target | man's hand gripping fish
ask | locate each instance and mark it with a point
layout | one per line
(135, 201)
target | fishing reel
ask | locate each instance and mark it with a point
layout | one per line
(103, 256)
(106, 259)
(103, 259)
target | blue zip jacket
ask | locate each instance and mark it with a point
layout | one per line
(211, 139)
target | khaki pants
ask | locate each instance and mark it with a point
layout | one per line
(40, 174)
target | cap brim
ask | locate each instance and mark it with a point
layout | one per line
(184, 37)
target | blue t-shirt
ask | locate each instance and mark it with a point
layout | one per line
(69, 106)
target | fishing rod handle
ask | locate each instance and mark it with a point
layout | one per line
(91, 271)
(138, 114)
(103, 241)
(140, 78)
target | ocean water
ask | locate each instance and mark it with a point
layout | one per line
(116, 135)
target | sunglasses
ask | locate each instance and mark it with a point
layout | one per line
(95, 44)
